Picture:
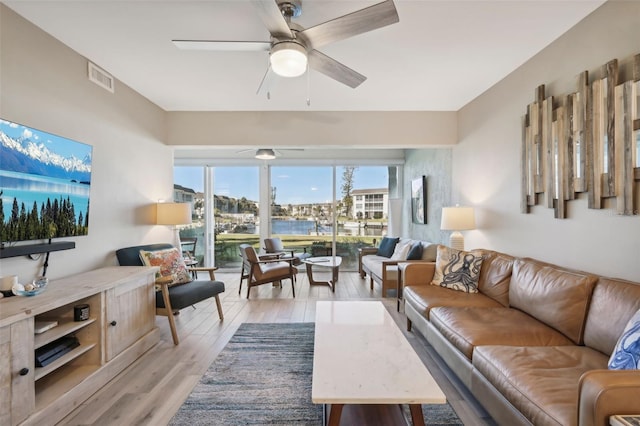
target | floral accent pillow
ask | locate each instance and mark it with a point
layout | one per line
(457, 270)
(170, 262)
(626, 355)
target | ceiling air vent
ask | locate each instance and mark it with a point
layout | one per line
(101, 77)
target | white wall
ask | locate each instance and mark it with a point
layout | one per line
(486, 161)
(43, 84)
(326, 129)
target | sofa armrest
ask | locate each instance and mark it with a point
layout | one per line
(210, 269)
(604, 393)
(364, 251)
(417, 272)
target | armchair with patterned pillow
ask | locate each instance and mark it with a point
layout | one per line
(175, 287)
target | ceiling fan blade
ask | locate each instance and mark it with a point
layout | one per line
(334, 69)
(367, 19)
(272, 18)
(223, 46)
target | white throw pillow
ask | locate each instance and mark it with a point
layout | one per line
(401, 251)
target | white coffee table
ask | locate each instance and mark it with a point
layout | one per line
(362, 357)
(331, 262)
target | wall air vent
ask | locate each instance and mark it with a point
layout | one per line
(101, 77)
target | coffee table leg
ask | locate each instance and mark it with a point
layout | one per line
(416, 414)
(334, 415)
(335, 278)
(331, 283)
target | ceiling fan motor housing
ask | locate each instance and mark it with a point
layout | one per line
(290, 8)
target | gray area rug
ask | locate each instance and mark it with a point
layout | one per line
(263, 377)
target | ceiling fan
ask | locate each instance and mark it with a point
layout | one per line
(293, 49)
(268, 153)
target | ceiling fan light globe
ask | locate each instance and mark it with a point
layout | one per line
(288, 59)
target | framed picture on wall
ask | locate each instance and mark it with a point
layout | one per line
(419, 200)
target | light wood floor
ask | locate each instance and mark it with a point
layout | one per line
(151, 390)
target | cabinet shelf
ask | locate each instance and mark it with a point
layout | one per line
(43, 371)
(62, 329)
(66, 378)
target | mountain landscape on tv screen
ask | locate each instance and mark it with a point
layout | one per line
(26, 155)
(45, 184)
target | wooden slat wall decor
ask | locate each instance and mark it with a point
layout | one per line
(560, 148)
(582, 132)
(533, 153)
(539, 143)
(524, 165)
(611, 72)
(625, 96)
(598, 135)
(567, 166)
(588, 142)
(548, 139)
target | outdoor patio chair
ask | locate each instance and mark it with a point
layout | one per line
(275, 246)
(259, 271)
(172, 298)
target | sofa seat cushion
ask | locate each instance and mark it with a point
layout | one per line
(274, 270)
(541, 382)
(467, 328)
(373, 263)
(425, 297)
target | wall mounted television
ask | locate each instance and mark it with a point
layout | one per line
(45, 183)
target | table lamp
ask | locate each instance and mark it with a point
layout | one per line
(174, 214)
(457, 219)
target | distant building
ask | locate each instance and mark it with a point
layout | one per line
(370, 203)
(183, 194)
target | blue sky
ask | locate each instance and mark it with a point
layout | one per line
(294, 185)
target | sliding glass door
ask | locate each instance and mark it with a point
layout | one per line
(322, 210)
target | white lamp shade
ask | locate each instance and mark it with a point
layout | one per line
(288, 59)
(457, 219)
(173, 214)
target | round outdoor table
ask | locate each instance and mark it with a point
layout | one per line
(332, 262)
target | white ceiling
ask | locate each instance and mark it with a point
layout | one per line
(440, 56)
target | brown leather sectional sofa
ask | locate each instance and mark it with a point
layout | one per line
(533, 344)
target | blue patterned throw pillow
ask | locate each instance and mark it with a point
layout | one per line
(626, 355)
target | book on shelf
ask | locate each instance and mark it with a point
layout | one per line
(40, 326)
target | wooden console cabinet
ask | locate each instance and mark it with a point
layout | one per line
(121, 327)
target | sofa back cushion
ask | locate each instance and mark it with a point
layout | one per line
(556, 296)
(495, 276)
(612, 305)
(429, 251)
